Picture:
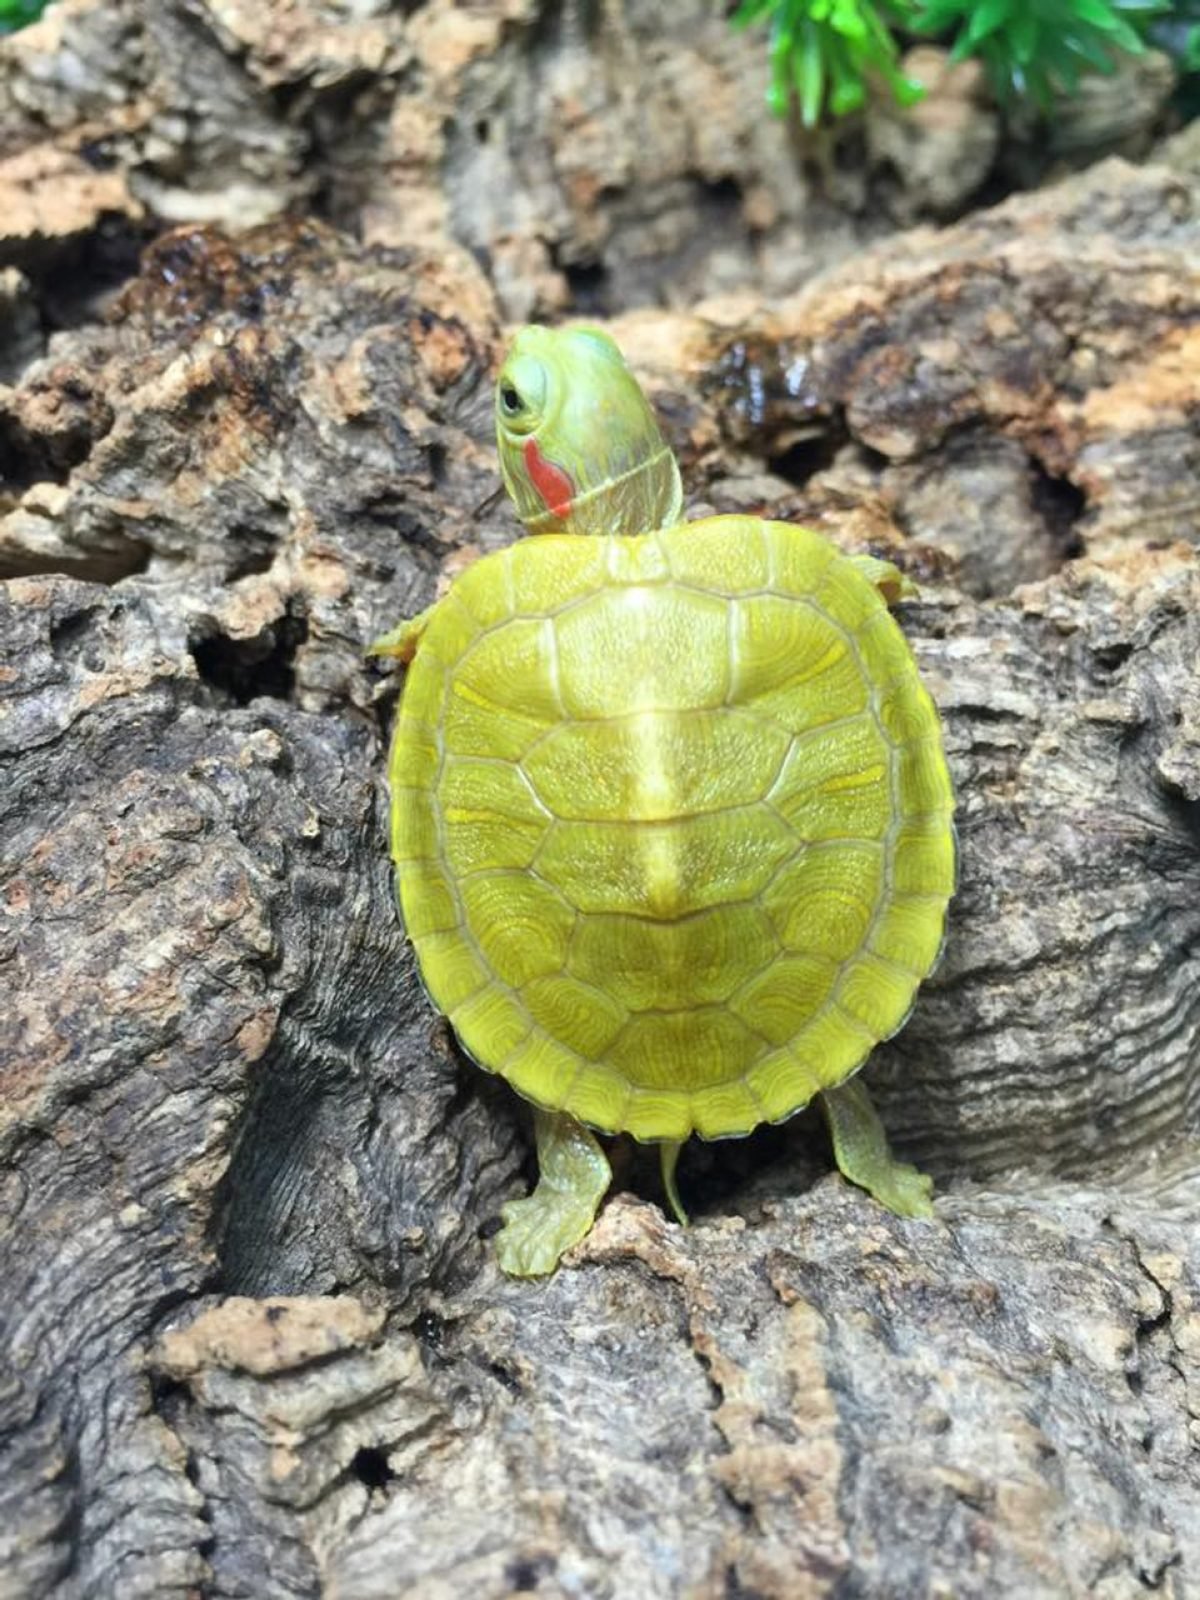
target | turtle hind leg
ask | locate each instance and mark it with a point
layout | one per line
(574, 1176)
(860, 1148)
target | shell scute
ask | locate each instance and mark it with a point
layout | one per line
(782, 1081)
(554, 570)
(451, 631)
(427, 899)
(791, 662)
(685, 1050)
(906, 713)
(653, 1114)
(666, 965)
(883, 650)
(599, 1097)
(491, 1024)
(513, 668)
(781, 999)
(415, 755)
(838, 1041)
(908, 932)
(477, 846)
(824, 1052)
(543, 1069)
(924, 860)
(424, 693)
(654, 765)
(844, 593)
(414, 826)
(521, 925)
(877, 995)
(476, 726)
(798, 557)
(490, 816)
(665, 869)
(824, 900)
(581, 1015)
(485, 590)
(924, 783)
(726, 555)
(642, 648)
(725, 1110)
(835, 783)
(636, 560)
(452, 969)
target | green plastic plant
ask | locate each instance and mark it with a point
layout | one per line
(824, 52)
(15, 14)
(1039, 47)
(1178, 33)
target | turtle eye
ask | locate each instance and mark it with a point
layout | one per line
(521, 393)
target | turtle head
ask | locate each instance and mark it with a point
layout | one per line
(580, 449)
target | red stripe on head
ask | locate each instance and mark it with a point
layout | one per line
(551, 482)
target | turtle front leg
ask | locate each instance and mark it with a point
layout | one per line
(574, 1178)
(860, 1148)
(893, 585)
(402, 641)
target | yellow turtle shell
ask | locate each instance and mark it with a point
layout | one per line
(672, 822)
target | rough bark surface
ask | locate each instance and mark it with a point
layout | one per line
(252, 1342)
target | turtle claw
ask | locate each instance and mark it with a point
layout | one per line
(575, 1176)
(903, 1189)
(538, 1231)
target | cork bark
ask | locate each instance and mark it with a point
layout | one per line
(252, 1340)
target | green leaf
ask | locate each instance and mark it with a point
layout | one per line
(849, 20)
(823, 51)
(906, 91)
(1096, 12)
(936, 17)
(810, 77)
(847, 96)
(750, 11)
(15, 14)
(1023, 38)
(1090, 52)
(985, 19)
(1122, 35)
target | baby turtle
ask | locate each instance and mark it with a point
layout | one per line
(670, 813)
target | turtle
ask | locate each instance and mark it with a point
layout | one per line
(670, 813)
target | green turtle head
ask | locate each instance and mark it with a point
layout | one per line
(580, 449)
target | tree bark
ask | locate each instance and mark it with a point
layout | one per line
(253, 1340)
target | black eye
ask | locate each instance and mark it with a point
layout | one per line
(511, 400)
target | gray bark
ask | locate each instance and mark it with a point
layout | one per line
(252, 1342)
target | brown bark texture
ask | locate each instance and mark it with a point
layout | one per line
(255, 265)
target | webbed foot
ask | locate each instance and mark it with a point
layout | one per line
(574, 1178)
(860, 1148)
